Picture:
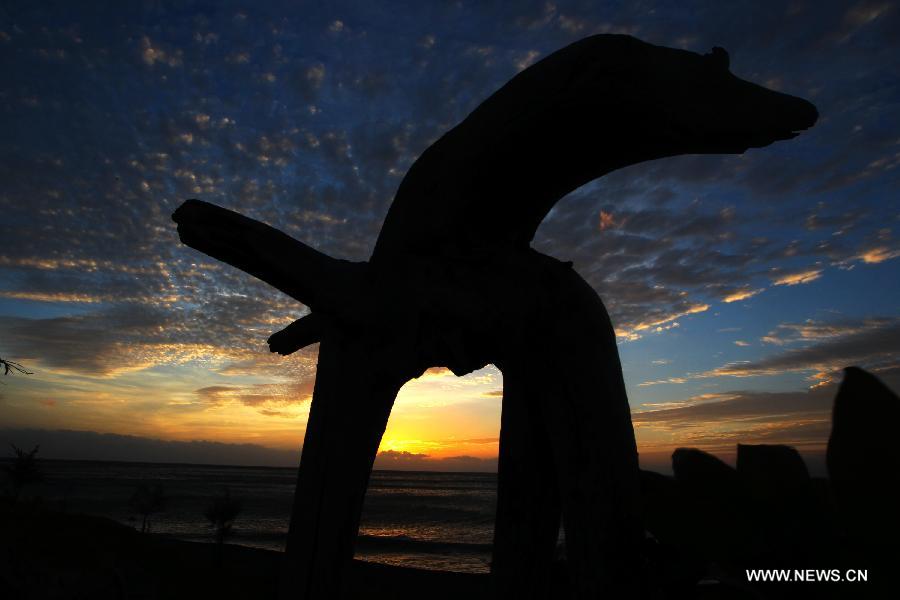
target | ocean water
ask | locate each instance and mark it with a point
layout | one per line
(427, 520)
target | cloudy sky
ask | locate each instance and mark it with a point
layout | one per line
(739, 285)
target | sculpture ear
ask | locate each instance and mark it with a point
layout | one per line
(718, 57)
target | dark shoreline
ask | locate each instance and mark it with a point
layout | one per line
(91, 461)
(49, 554)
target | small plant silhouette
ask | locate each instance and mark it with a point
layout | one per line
(23, 470)
(221, 514)
(9, 366)
(147, 501)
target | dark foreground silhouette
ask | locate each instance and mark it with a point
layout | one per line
(769, 513)
(706, 526)
(453, 282)
(864, 460)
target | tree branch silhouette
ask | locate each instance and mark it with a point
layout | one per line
(13, 367)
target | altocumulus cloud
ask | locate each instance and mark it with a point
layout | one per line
(819, 348)
(677, 240)
(266, 397)
(308, 122)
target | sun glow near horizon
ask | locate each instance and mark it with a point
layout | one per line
(441, 415)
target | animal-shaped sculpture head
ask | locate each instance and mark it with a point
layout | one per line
(687, 102)
(600, 104)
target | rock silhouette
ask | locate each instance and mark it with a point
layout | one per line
(696, 468)
(711, 504)
(774, 473)
(780, 500)
(863, 458)
(453, 282)
(768, 512)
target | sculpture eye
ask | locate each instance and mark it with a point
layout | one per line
(718, 57)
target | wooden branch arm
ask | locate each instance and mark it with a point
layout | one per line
(313, 278)
(299, 334)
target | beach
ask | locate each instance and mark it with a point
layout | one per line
(49, 554)
(436, 521)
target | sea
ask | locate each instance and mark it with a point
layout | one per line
(439, 521)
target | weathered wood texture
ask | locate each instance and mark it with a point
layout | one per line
(348, 416)
(453, 282)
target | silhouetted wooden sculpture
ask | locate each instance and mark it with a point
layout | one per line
(453, 282)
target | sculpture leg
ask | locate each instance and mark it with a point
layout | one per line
(350, 409)
(592, 438)
(528, 512)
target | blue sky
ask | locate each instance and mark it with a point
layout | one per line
(726, 276)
